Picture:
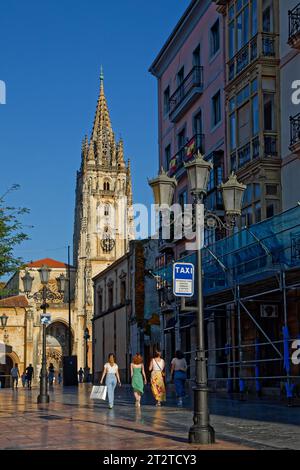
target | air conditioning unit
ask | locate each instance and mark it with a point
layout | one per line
(269, 311)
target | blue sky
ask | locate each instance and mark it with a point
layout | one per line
(51, 52)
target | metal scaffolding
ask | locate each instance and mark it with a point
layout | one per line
(255, 266)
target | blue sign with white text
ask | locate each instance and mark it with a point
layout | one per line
(183, 279)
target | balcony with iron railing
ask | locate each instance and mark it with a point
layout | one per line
(262, 45)
(197, 142)
(294, 27)
(254, 149)
(187, 92)
(295, 133)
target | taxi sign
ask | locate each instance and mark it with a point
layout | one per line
(183, 279)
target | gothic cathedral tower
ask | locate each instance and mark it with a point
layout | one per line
(103, 223)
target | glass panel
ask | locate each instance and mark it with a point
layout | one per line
(257, 191)
(269, 112)
(257, 211)
(232, 132)
(254, 86)
(254, 28)
(246, 25)
(231, 40)
(255, 115)
(239, 23)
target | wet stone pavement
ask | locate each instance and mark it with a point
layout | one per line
(73, 421)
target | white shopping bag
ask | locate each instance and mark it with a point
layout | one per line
(99, 392)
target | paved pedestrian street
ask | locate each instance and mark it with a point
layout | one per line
(72, 421)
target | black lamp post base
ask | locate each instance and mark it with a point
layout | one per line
(43, 399)
(201, 435)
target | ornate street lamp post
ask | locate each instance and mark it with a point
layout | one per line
(44, 272)
(198, 171)
(86, 337)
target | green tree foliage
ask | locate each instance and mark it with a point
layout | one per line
(11, 234)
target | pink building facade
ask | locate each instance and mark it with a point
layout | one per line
(190, 71)
(191, 75)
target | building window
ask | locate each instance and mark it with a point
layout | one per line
(267, 20)
(216, 109)
(123, 292)
(251, 212)
(106, 210)
(100, 302)
(167, 100)
(272, 208)
(181, 141)
(111, 295)
(215, 38)
(269, 112)
(271, 189)
(167, 156)
(197, 123)
(196, 57)
(183, 199)
(106, 186)
(180, 79)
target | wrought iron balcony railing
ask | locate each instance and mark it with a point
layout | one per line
(194, 79)
(294, 23)
(295, 131)
(255, 149)
(262, 45)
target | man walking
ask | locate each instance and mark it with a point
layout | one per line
(15, 374)
(29, 375)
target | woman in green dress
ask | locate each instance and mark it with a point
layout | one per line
(138, 378)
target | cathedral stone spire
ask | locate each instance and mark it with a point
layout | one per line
(102, 133)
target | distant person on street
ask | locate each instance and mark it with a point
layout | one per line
(157, 369)
(138, 378)
(51, 372)
(29, 375)
(111, 371)
(178, 372)
(59, 378)
(23, 379)
(15, 374)
(80, 375)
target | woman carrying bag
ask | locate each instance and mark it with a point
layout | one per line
(111, 371)
(158, 388)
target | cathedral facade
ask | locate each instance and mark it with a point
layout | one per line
(103, 224)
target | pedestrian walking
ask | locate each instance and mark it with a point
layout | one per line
(138, 378)
(178, 372)
(59, 378)
(15, 374)
(23, 379)
(51, 374)
(80, 375)
(157, 369)
(29, 375)
(111, 372)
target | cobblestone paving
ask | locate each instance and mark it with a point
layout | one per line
(72, 421)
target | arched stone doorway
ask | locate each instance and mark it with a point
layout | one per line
(10, 360)
(57, 341)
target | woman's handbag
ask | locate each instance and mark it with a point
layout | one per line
(98, 392)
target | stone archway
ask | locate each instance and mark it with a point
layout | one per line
(57, 338)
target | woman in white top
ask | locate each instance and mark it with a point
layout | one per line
(157, 366)
(178, 372)
(111, 371)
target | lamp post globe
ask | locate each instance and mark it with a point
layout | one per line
(163, 187)
(3, 320)
(198, 171)
(44, 274)
(27, 282)
(61, 280)
(233, 193)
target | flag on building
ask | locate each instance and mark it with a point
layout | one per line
(190, 148)
(173, 165)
